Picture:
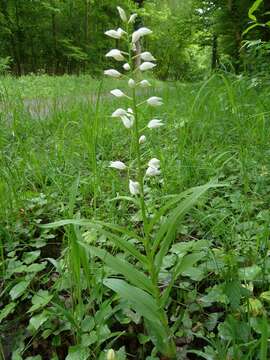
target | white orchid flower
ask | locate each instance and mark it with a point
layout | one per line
(115, 54)
(126, 67)
(119, 165)
(134, 187)
(147, 56)
(119, 112)
(154, 101)
(154, 163)
(128, 121)
(131, 83)
(118, 93)
(122, 14)
(155, 123)
(132, 18)
(146, 66)
(152, 171)
(112, 73)
(142, 139)
(140, 33)
(144, 84)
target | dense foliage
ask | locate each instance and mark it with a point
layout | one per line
(58, 36)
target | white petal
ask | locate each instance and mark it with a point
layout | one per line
(154, 163)
(152, 171)
(119, 112)
(130, 111)
(145, 83)
(120, 32)
(115, 34)
(127, 121)
(146, 66)
(135, 37)
(147, 56)
(142, 139)
(134, 187)
(117, 93)
(122, 14)
(116, 54)
(132, 18)
(154, 101)
(155, 123)
(119, 165)
(139, 33)
(112, 73)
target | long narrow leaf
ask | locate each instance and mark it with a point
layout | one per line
(121, 266)
(143, 303)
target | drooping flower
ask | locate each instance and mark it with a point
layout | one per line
(152, 171)
(112, 73)
(115, 54)
(142, 139)
(147, 56)
(119, 112)
(154, 101)
(126, 66)
(115, 34)
(132, 18)
(131, 83)
(119, 165)
(122, 14)
(145, 84)
(140, 33)
(134, 187)
(147, 66)
(128, 121)
(118, 93)
(154, 163)
(155, 123)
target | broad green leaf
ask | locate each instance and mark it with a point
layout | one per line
(40, 299)
(142, 302)
(184, 264)
(136, 277)
(37, 320)
(8, 309)
(19, 289)
(30, 257)
(249, 273)
(78, 352)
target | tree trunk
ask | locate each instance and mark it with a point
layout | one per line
(215, 57)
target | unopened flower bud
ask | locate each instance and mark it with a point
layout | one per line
(147, 56)
(142, 139)
(122, 14)
(126, 67)
(131, 83)
(132, 18)
(110, 355)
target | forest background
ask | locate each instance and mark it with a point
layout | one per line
(192, 37)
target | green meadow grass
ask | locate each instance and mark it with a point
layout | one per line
(53, 137)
